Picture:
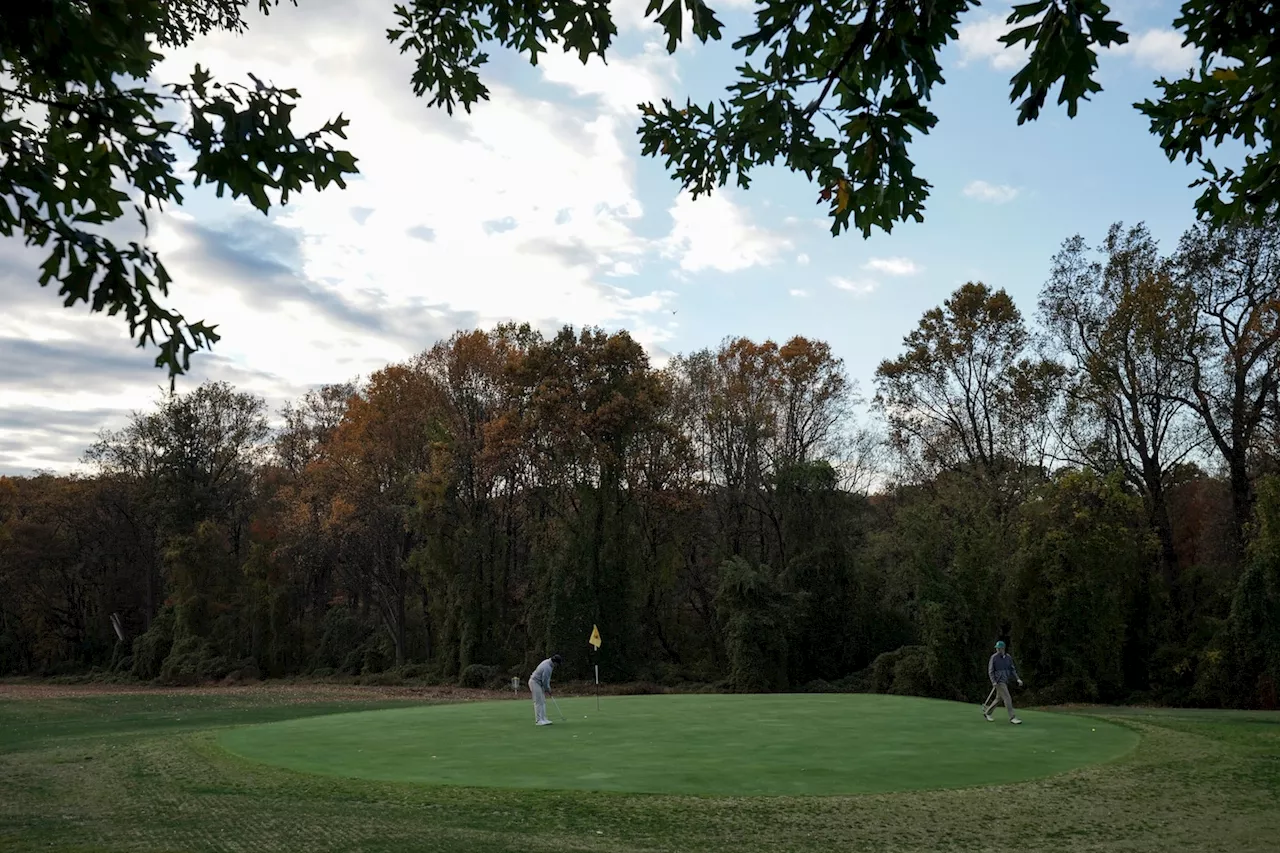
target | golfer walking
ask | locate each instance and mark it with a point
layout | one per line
(1000, 669)
(540, 687)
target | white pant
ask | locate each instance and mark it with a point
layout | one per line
(539, 701)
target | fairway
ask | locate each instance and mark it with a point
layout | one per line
(702, 745)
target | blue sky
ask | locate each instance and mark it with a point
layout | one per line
(539, 207)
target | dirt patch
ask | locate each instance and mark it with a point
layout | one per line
(294, 692)
(287, 692)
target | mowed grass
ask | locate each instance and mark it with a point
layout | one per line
(697, 745)
(147, 773)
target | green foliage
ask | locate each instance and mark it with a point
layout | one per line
(151, 649)
(10, 654)
(244, 670)
(1232, 95)
(904, 671)
(377, 654)
(192, 660)
(1084, 547)
(1254, 623)
(1061, 42)
(755, 612)
(341, 637)
(480, 675)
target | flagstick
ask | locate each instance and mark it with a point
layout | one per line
(594, 642)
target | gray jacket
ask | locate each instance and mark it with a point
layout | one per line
(542, 675)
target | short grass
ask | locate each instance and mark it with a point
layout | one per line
(147, 773)
(693, 745)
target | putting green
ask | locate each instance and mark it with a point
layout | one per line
(689, 744)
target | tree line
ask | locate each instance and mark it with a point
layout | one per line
(1099, 487)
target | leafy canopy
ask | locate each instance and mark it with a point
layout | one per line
(836, 89)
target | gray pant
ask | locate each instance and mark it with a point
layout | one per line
(1000, 694)
(539, 701)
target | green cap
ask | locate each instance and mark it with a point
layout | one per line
(999, 644)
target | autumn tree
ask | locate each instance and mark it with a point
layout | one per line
(52, 612)
(1232, 369)
(590, 400)
(965, 391)
(369, 476)
(1123, 323)
(309, 423)
(190, 467)
(466, 507)
(769, 423)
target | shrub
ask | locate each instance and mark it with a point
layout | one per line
(755, 611)
(10, 654)
(193, 661)
(245, 670)
(378, 654)
(342, 636)
(478, 675)
(151, 649)
(388, 678)
(903, 672)
(415, 671)
(1068, 689)
(352, 662)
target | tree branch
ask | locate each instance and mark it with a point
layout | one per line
(860, 42)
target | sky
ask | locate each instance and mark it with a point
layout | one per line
(539, 207)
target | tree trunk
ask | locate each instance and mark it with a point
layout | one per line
(1160, 522)
(400, 620)
(1164, 533)
(1241, 501)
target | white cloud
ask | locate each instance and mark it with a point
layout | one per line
(993, 193)
(715, 233)
(798, 293)
(892, 266)
(622, 84)
(1160, 50)
(858, 287)
(802, 259)
(408, 252)
(979, 41)
(565, 195)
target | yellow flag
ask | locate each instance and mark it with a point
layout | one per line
(595, 637)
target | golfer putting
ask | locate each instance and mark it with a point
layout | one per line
(540, 687)
(1000, 669)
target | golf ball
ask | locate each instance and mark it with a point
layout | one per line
(1093, 730)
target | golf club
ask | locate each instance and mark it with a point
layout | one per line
(563, 718)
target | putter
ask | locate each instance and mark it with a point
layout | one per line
(989, 698)
(563, 718)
